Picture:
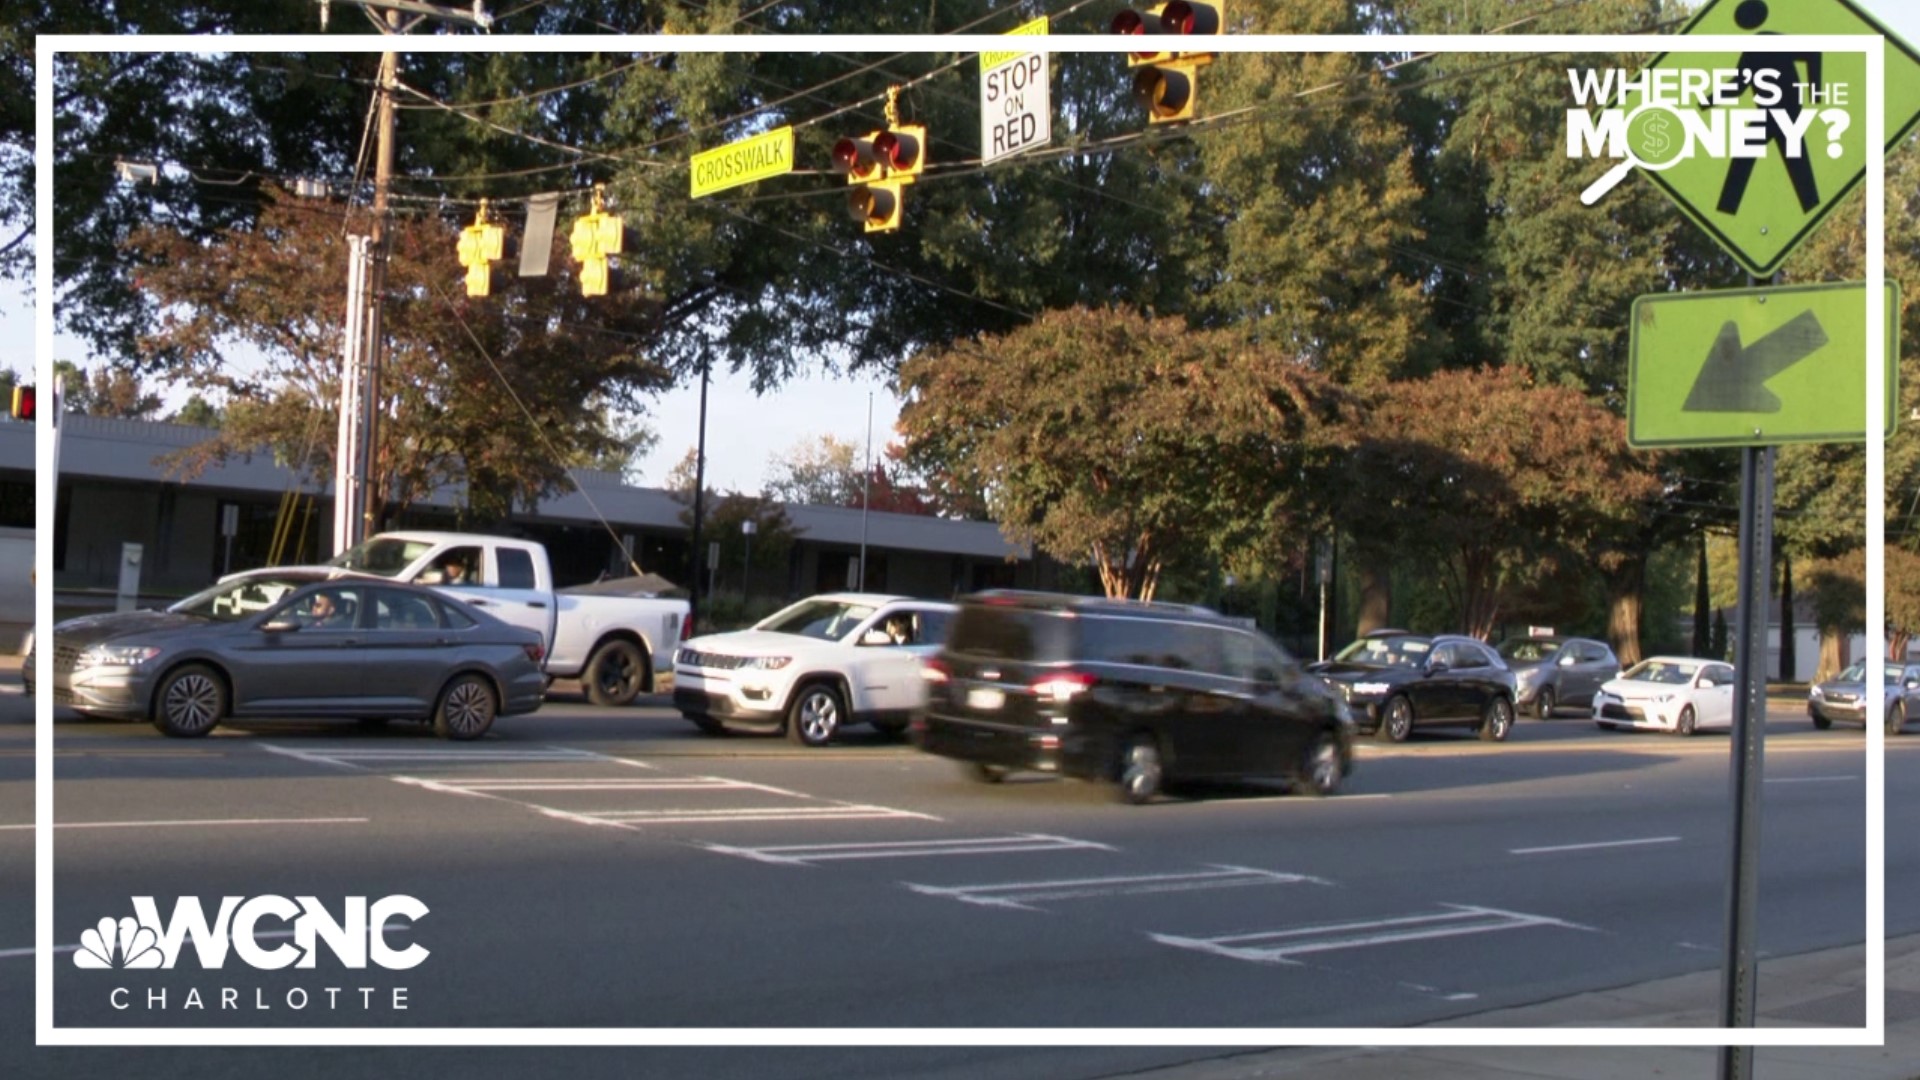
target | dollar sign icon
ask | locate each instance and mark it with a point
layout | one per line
(1654, 143)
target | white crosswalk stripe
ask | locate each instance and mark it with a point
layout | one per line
(801, 854)
(1282, 946)
(1026, 894)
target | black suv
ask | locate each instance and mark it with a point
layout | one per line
(1394, 681)
(1134, 693)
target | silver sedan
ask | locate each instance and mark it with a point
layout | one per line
(300, 644)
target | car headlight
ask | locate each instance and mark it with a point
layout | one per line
(767, 663)
(116, 656)
(1816, 693)
(1529, 676)
(1664, 699)
(1371, 687)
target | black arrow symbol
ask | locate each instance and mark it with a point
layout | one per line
(1734, 379)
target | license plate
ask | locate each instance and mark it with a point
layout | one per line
(985, 697)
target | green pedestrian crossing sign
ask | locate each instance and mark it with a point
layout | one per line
(1760, 208)
(1756, 367)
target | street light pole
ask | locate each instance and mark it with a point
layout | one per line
(866, 490)
(699, 494)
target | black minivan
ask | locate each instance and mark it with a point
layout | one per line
(1141, 694)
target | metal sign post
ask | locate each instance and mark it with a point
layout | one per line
(1749, 723)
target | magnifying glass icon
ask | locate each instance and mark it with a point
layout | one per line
(1655, 139)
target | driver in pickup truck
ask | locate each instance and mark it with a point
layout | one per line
(450, 570)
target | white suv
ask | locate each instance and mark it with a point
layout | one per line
(813, 668)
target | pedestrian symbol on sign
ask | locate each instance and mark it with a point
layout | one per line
(1792, 151)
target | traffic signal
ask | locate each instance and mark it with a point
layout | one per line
(481, 245)
(595, 236)
(1167, 83)
(877, 205)
(902, 150)
(1167, 88)
(878, 164)
(1131, 21)
(23, 403)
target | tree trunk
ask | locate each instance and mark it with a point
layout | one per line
(1789, 660)
(1833, 653)
(1625, 600)
(1702, 602)
(1374, 570)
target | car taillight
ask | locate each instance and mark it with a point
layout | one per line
(1061, 686)
(536, 652)
(686, 626)
(936, 671)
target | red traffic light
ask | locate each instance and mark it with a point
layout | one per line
(1166, 91)
(1128, 21)
(899, 150)
(855, 158)
(23, 403)
(1181, 17)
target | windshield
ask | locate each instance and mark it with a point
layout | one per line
(1527, 650)
(232, 600)
(1857, 672)
(1661, 671)
(1401, 651)
(825, 620)
(383, 555)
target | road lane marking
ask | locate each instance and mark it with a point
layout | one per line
(196, 821)
(804, 854)
(1807, 779)
(840, 811)
(258, 935)
(357, 758)
(670, 783)
(1594, 846)
(1281, 946)
(1023, 894)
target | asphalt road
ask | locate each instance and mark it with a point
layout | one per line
(591, 869)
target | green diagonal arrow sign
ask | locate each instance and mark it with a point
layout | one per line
(1756, 367)
(1734, 379)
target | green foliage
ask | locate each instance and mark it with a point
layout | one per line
(1139, 444)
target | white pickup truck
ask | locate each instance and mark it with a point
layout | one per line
(615, 645)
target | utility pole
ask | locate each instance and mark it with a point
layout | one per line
(355, 508)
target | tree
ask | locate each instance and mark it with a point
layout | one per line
(1134, 443)
(500, 396)
(112, 392)
(822, 471)
(1476, 475)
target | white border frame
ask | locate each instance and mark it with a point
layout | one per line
(46, 1034)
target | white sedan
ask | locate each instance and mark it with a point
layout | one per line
(1668, 693)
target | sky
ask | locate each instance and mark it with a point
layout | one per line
(745, 431)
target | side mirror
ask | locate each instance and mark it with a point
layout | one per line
(281, 626)
(1437, 667)
(876, 637)
(1268, 676)
(1912, 684)
(1567, 660)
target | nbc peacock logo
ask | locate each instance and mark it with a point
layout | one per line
(121, 945)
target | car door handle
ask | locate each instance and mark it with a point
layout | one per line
(477, 602)
(537, 603)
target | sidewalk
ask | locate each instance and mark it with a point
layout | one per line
(1820, 989)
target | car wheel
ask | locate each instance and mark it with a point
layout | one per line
(705, 723)
(983, 773)
(814, 717)
(1497, 722)
(1141, 772)
(1820, 722)
(1544, 706)
(1320, 769)
(615, 674)
(190, 703)
(466, 709)
(1684, 726)
(1396, 720)
(1896, 718)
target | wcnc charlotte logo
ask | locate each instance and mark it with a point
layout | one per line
(356, 938)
